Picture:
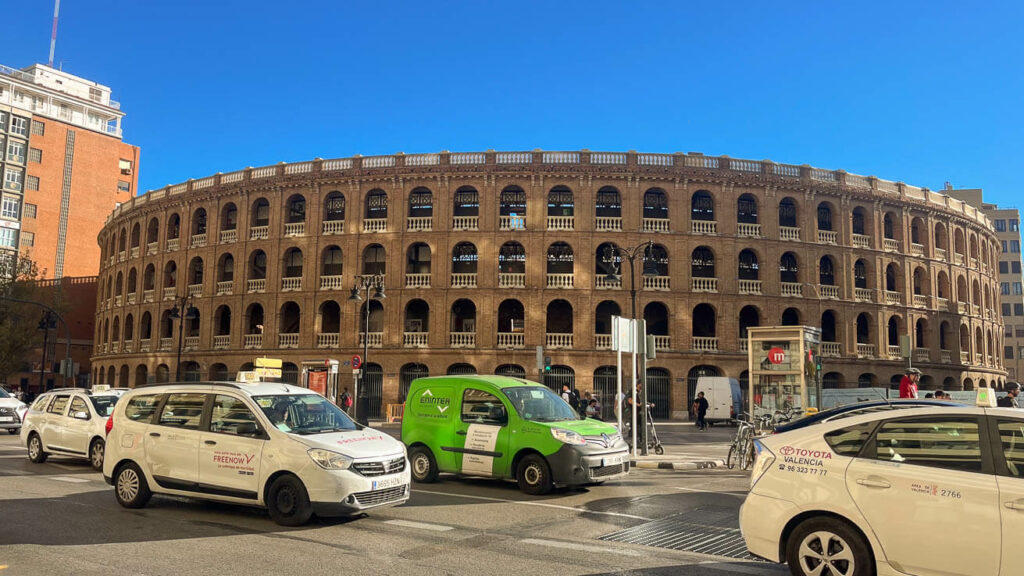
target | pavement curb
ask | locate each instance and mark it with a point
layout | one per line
(690, 465)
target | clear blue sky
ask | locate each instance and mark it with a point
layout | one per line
(922, 92)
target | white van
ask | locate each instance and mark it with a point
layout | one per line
(264, 444)
(725, 401)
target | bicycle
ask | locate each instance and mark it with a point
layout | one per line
(742, 449)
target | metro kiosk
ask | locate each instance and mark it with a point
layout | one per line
(784, 365)
(321, 376)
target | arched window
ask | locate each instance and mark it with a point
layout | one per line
(417, 320)
(229, 217)
(787, 213)
(329, 317)
(791, 317)
(860, 274)
(828, 326)
(463, 318)
(749, 318)
(789, 272)
(260, 214)
(174, 227)
(374, 260)
(136, 235)
(512, 258)
(290, 318)
(859, 221)
(258, 265)
(891, 278)
(560, 201)
(334, 208)
(199, 222)
(746, 209)
(559, 318)
(657, 318)
(222, 321)
(748, 266)
(655, 204)
(888, 226)
(152, 232)
(376, 205)
(467, 203)
(702, 206)
(512, 208)
(254, 319)
(511, 371)
(170, 275)
(195, 272)
(824, 216)
(331, 262)
(608, 204)
(603, 316)
(293, 262)
(560, 259)
(703, 324)
(406, 375)
(296, 209)
(417, 264)
(511, 318)
(464, 259)
(863, 328)
(702, 263)
(421, 203)
(826, 271)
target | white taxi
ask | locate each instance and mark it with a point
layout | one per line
(923, 491)
(12, 412)
(69, 422)
(264, 444)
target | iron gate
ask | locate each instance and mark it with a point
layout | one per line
(691, 382)
(373, 387)
(510, 370)
(559, 376)
(409, 373)
(659, 391)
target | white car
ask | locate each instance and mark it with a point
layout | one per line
(69, 422)
(12, 412)
(265, 444)
(923, 491)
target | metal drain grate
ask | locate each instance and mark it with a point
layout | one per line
(711, 530)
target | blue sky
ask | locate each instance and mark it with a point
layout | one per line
(922, 92)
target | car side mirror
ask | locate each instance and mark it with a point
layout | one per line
(80, 415)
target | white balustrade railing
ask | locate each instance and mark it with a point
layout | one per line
(893, 352)
(415, 339)
(512, 222)
(792, 289)
(961, 307)
(331, 282)
(462, 339)
(602, 282)
(511, 340)
(197, 241)
(561, 222)
(656, 283)
(128, 347)
(945, 356)
(291, 284)
(375, 225)
(115, 347)
(460, 158)
(974, 263)
(975, 310)
(151, 248)
(831, 349)
(891, 245)
(828, 291)
(375, 339)
(511, 279)
(608, 223)
(603, 341)
(922, 355)
(553, 340)
(704, 284)
(328, 340)
(170, 292)
(333, 226)
(662, 342)
(893, 298)
(750, 230)
(222, 342)
(705, 344)
(920, 300)
(865, 350)
(465, 223)
(464, 280)
(134, 251)
(118, 300)
(419, 223)
(294, 228)
(750, 286)
(916, 249)
(862, 294)
(655, 224)
(258, 285)
(130, 298)
(703, 227)
(828, 237)
(941, 254)
(195, 290)
(417, 280)
(166, 344)
(958, 259)
(191, 343)
(259, 232)
(228, 236)
(789, 233)
(560, 280)
(225, 287)
(147, 296)
(122, 256)
(145, 346)
(965, 357)
(173, 244)
(862, 241)
(744, 345)
(287, 340)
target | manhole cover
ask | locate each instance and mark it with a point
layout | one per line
(711, 530)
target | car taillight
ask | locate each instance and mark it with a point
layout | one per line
(110, 424)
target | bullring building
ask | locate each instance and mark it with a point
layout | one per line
(483, 256)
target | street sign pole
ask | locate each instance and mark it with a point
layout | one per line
(632, 339)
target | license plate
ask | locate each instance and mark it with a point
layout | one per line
(6, 418)
(613, 460)
(388, 482)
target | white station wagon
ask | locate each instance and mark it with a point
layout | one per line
(264, 444)
(923, 491)
(69, 422)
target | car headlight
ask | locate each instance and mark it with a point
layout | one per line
(329, 460)
(568, 436)
(763, 460)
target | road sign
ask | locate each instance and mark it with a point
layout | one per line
(623, 331)
(357, 362)
(776, 355)
(268, 372)
(268, 362)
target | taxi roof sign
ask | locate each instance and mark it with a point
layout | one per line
(101, 387)
(247, 377)
(986, 398)
(268, 363)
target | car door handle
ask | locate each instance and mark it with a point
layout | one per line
(1015, 505)
(461, 432)
(154, 434)
(209, 442)
(874, 482)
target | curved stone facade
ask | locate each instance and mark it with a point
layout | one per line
(486, 256)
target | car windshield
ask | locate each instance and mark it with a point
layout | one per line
(539, 404)
(304, 414)
(4, 394)
(104, 405)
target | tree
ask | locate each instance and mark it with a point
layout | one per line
(19, 323)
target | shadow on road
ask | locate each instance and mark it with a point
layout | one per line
(710, 568)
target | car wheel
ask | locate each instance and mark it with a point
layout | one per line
(821, 546)
(130, 486)
(423, 464)
(534, 475)
(96, 450)
(288, 502)
(35, 449)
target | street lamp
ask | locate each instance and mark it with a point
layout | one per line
(364, 283)
(190, 313)
(613, 256)
(47, 322)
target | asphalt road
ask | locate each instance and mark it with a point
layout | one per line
(61, 518)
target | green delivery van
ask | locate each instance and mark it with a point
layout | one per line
(509, 428)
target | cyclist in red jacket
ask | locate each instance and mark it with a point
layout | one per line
(908, 384)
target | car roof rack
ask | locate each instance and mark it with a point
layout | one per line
(207, 383)
(68, 389)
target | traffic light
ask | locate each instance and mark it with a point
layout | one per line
(547, 363)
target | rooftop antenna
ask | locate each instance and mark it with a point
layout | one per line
(53, 35)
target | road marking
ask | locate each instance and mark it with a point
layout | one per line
(67, 467)
(69, 479)
(579, 547)
(542, 504)
(420, 525)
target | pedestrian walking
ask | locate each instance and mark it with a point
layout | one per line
(346, 402)
(1010, 400)
(700, 406)
(908, 384)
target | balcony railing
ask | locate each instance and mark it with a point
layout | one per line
(254, 340)
(792, 289)
(961, 308)
(259, 232)
(603, 341)
(703, 227)
(170, 292)
(975, 310)
(127, 347)
(195, 290)
(704, 284)
(511, 279)
(916, 249)
(828, 291)
(464, 280)
(287, 340)
(118, 300)
(151, 248)
(602, 282)
(419, 223)
(744, 345)
(173, 244)
(465, 223)
(228, 236)
(122, 256)
(958, 259)
(333, 227)
(259, 285)
(862, 294)
(828, 237)
(789, 233)
(655, 224)
(375, 225)
(222, 342)
(893, 298)
(560, 280)
(558, 340)
(920, 300)
(974, 263)
(662, 342)
(705, 344)
(197, 241)
(331, 282)
(511, 340)
(749, 230)
(191, 343)
(608, 224)
(656, 283)
(893, 352)
(943, 304)
(415, 339)
(977, 358)
(862, 241)
(561, 222)
(750, 287)
(291, 284)
(831, 349)
(295, 229)
(940, 254)
(166, 344)
(375, 339)
(130, 298)
(417, 280)
(134, 251)
(512, 222)
(965, 357)
(147, 296)
(225, 287)
(891, 245)
(115, 347)
(922, 355)
(865, 350)
(945, 356)
(463, 339)
(145, 346)
(328, 340)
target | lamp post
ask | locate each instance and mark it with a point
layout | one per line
(45, 323)
(649, 270)
(181, 313)
(363, 283)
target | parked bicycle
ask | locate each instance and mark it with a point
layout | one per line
(741, 451)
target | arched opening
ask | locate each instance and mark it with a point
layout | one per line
(421, 208)
(292, 263)
(860, 274)
(199, 222)
(787, 213)
(512, 208)
(259, 216)
(334, 211)
(463, 322)
(558, 377)
(170, 275)
(219, 372)
(163, 374)
(417, 322)
(511, 260)
(608, 207)
(461, 369)
(141, 375)
(417, 265)
(702, 263)
(828, 327)
(691, 383)
(191, 371)
(559, 323)
(702, 206)
(222, 321)
(655, 209)
(603, 318)
(826, 271)
(866, 380)
(791, 317)
(464, 264)
(560, 203)
(228, 221)
(152, 234)
(659, 392)
(195, 272)
(945, 335)
(257, 266)
(560, 262)
(863, 328)
(825, 216)
(892, 278)
(657, 318)
(511, 322)
(704, 326)
(374, 260)
(746, 209)
(789, 271)
(329, 316)
(407, 374)
(859, 221)
(376, 322)
(174, 227)
(748, 266)
(921, 333)
(254, 319)
(466, 205)
(136, 236)
(511, 370)
(376, 206)
(749, 318)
